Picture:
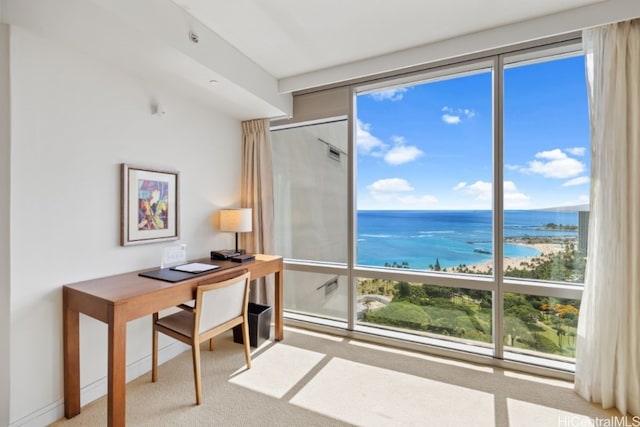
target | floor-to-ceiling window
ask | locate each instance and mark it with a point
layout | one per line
(424, 197)
(546, 168)
(440, 252)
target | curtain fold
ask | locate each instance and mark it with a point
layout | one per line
(608, 345)
(257, 193)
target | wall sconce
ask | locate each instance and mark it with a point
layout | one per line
(236, 220)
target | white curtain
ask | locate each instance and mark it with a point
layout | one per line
(257, 193)
(608, 348)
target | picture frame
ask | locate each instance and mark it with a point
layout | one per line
(149, 205)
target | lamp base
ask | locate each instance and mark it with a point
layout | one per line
(239, 251)
(223, 254)
(243, 258)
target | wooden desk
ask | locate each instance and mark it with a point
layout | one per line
(115, 300)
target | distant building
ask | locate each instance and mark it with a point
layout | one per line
(583, 231)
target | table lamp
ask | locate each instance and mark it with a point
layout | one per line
(236, 220)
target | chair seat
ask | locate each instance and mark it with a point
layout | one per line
(180, 322)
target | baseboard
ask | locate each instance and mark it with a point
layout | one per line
(90, 392)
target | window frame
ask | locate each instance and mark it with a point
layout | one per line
(499, 60)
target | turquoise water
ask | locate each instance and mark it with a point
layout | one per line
(451, 237)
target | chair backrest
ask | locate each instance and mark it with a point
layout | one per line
(219, 302)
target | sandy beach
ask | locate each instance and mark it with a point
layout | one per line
(544, 248)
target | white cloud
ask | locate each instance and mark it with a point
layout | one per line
(480, 190)
(576, 151)
(554, 164)
(513, 198)
(509, 187)
(390, 185)
(401, 154)
(452, 120)
(459, 186)
(396, 192)
(555, 154)
(366, 142)
(453, 116)
(483, 191)
(582, 199)
(577, 181)
(565, 168)
(391, 94)
(512, 167)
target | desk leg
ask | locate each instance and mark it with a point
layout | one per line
(279, 301)
(71, 349)
(116, 372)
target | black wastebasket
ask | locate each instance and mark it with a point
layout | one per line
(259, 325)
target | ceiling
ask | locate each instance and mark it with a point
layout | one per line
(291, 37)
(258, 52)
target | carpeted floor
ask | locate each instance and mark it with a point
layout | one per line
(311, 379)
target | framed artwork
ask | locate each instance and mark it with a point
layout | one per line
(150, 205)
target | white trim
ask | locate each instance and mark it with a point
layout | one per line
(308, 123)
(315, 267)
(97, 389)
(459, 280)
(484, 283)
(445, 72)
(538, 54)
(305, 319)
(544, 289)
(467, 346)
(531, 359)
(539, 368)
(561, 23)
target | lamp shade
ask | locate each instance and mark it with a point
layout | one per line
(237, 220)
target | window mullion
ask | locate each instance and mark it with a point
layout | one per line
(352, 310)
(498, 207)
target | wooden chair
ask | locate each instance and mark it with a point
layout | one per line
(219, 306)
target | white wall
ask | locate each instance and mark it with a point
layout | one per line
(73, 121)
(5, 307)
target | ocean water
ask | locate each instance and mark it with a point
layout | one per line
(451, 237)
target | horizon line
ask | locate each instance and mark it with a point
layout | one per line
(560, 209)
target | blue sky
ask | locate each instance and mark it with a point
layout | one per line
(429, 146)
